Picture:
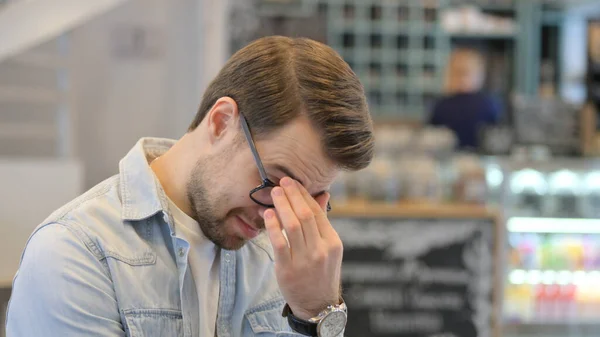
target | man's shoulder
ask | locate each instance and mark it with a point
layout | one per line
(96, 219)
(96, 214)
(101, 201)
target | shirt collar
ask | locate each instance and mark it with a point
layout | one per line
(141, 193)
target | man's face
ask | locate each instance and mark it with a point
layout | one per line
(218, 188)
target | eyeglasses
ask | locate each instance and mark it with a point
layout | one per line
(261, 194)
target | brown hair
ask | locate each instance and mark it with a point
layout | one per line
(275, 79)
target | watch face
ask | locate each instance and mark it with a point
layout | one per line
(333, 324)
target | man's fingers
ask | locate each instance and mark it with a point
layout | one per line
(304, 213)
(291, 224)
(319, 207)
(278, 241)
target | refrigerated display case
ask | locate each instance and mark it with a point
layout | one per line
(552, 265)
(553, 273)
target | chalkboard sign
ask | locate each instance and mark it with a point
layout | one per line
(418, 277)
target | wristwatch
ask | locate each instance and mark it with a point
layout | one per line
(328, 323)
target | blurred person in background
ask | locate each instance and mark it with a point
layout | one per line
(465, 109)
(182, 242)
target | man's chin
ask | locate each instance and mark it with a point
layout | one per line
(232, 243)
(229, 233)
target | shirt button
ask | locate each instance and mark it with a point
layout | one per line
(181, 252)
(227, 257)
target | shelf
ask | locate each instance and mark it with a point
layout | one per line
(553, 225)
(6, 284)
(552, 277)
(552, 17)
(497, 8)
(482, 36)
(358, 208)
(555, 327)
(550, 165)
(405, 35)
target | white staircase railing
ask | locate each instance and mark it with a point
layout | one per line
(27, 23)
(36, 116)
(34, 73)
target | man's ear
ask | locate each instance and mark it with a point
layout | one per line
(222, 119)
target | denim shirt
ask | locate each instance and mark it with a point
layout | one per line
(110, 263)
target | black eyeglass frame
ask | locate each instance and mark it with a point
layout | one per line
(266, 182)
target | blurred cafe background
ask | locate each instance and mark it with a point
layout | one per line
(480, 214)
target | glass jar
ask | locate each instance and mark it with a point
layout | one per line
(471, 184)
(378, 182)
(564, 191)
(421, 179)
(590, 201)
(528, 188)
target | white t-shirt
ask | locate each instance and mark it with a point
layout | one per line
(204, 263)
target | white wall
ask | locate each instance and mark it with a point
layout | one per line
(36, 187)
(120, 90)
(214, 38)
(120, 98)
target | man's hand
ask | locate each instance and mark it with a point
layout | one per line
(308, 270)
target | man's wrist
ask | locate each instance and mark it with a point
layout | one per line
(308, 314)
(334, 318)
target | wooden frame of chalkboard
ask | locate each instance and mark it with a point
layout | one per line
(421, 270)
(4, 298)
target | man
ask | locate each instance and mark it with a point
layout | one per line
(465, 109)
(174, 245)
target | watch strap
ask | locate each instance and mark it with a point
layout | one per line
(299, 325)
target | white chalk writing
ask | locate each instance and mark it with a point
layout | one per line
(403, 272)
(379, 297)
(409, 240)
(440, 301)
(387, 322)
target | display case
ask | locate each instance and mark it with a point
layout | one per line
(553, 271)
(552, 265)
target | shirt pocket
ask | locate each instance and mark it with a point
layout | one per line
(266, 320)
(153, 322)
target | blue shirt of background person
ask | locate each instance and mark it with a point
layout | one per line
(465, 109)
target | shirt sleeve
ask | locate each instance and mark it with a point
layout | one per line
(62, 289)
